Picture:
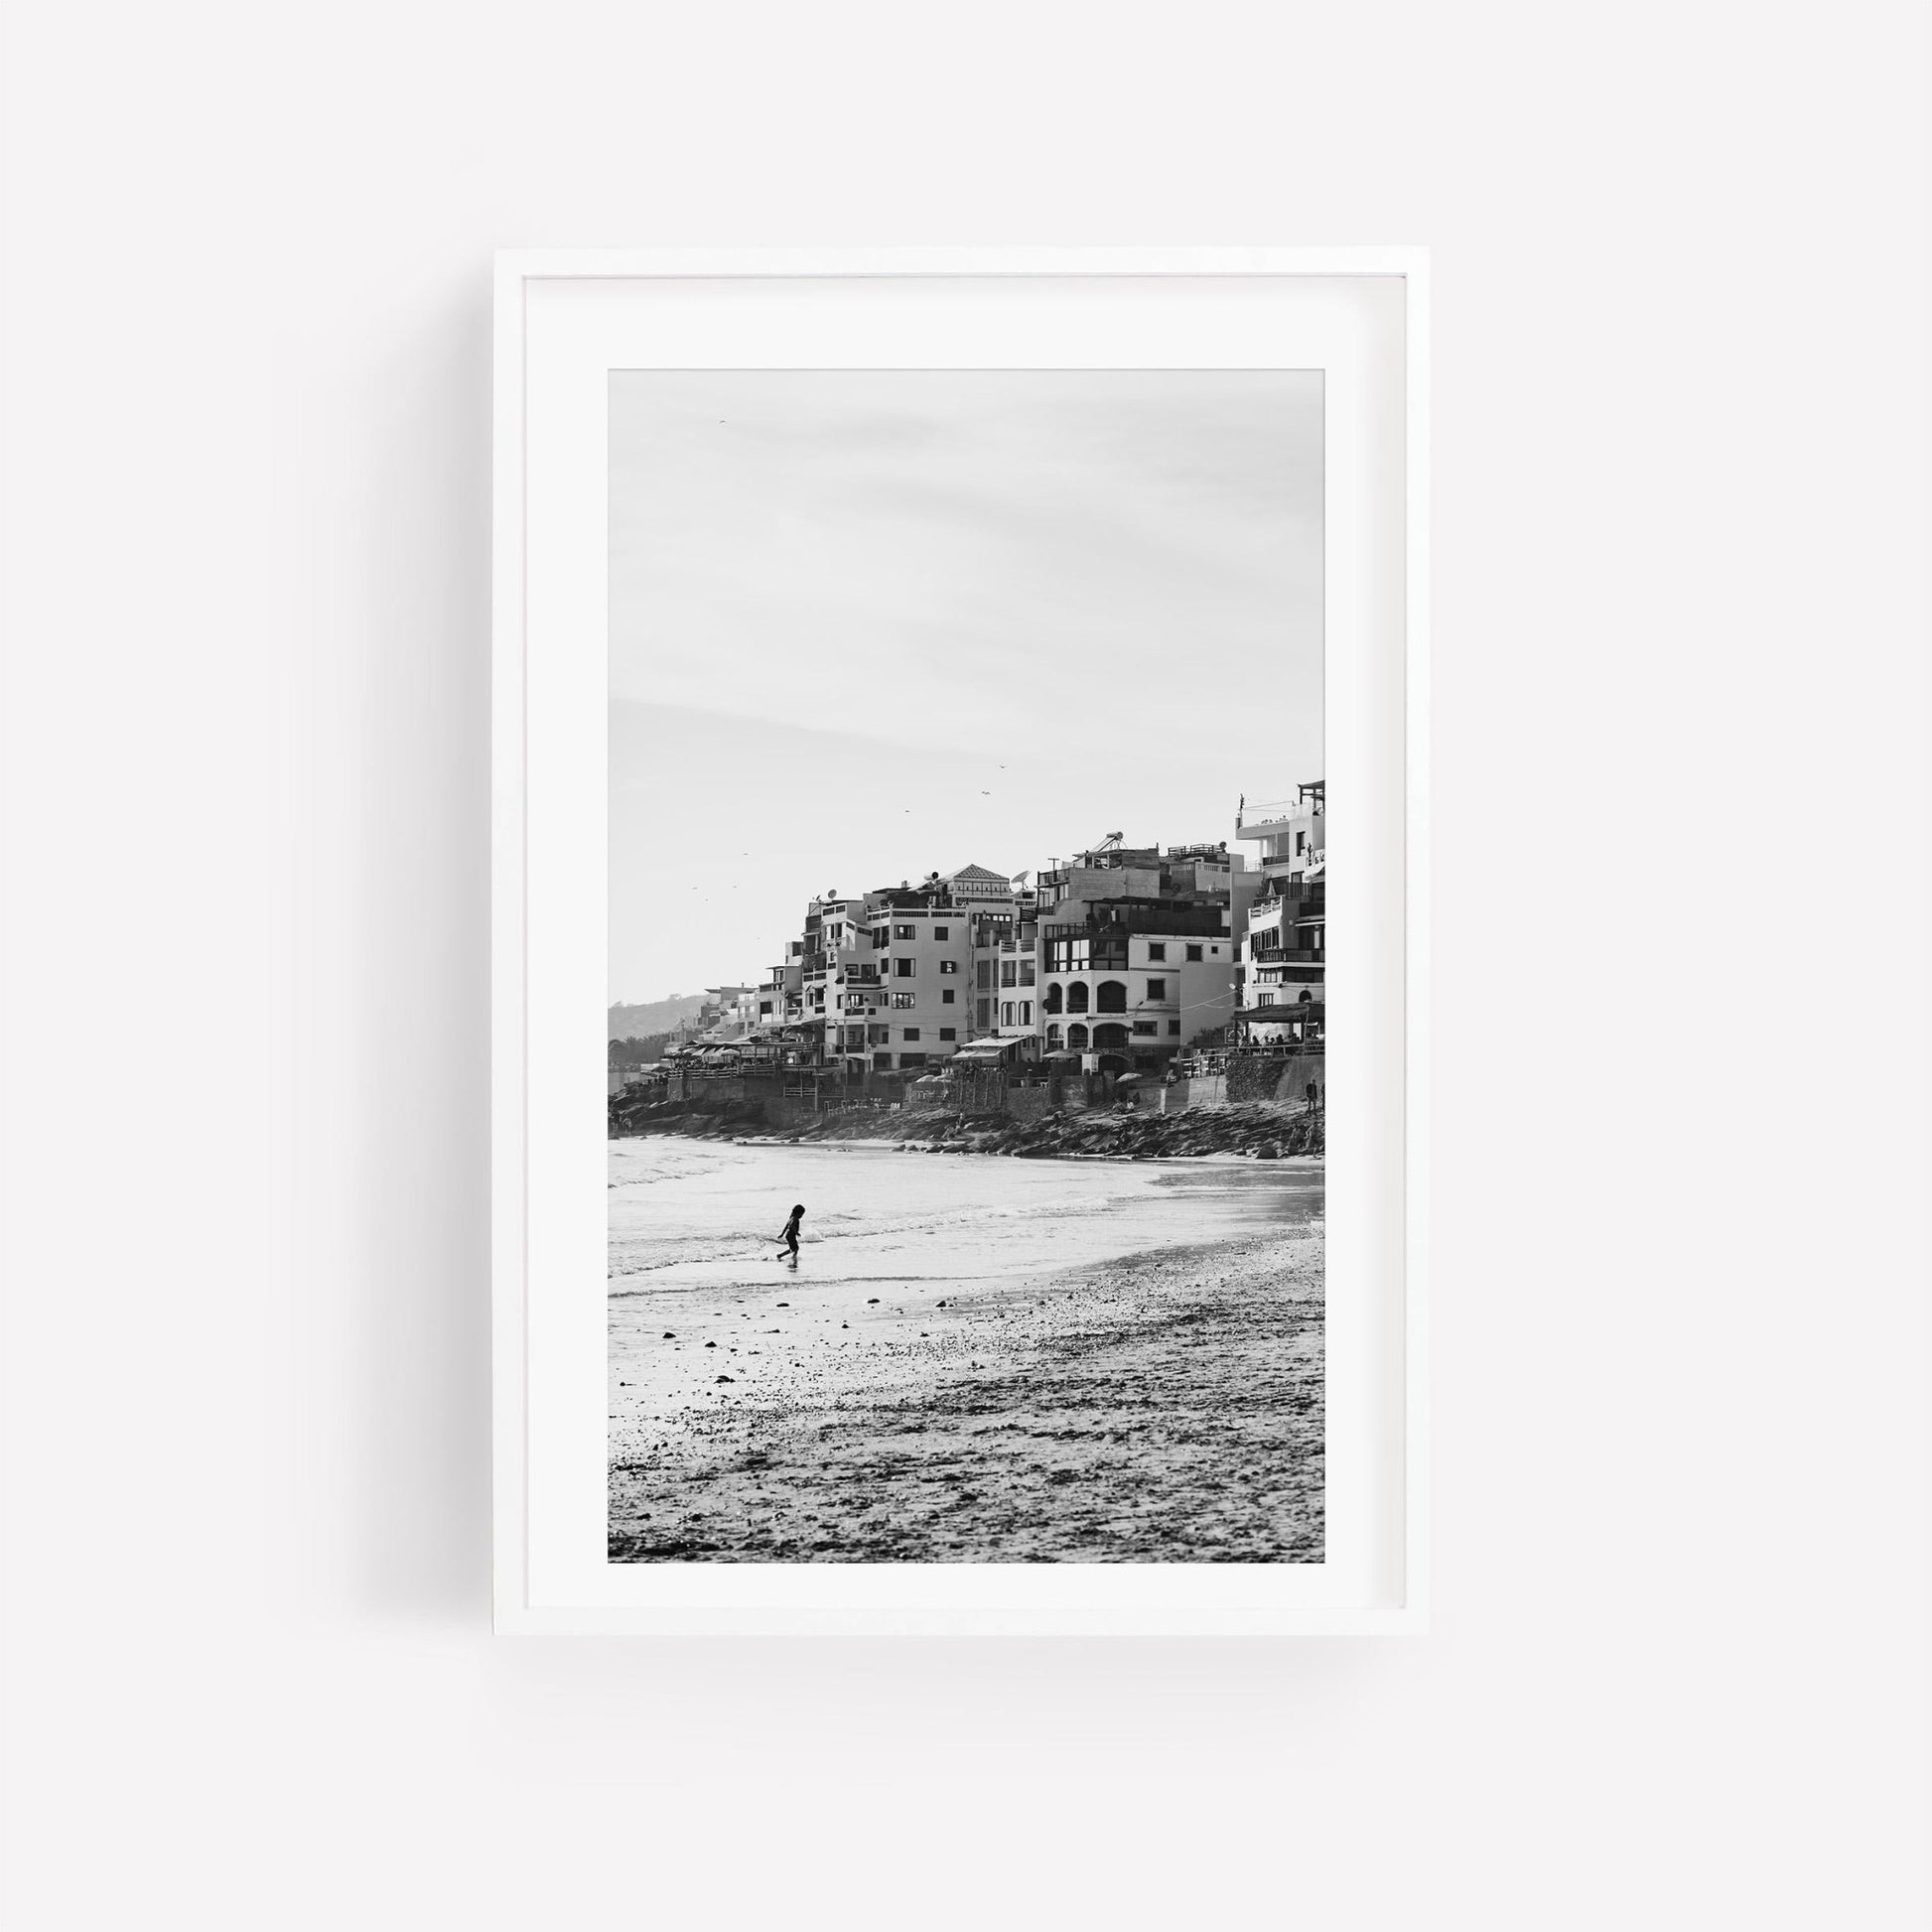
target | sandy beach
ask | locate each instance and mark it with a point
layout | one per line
(923, 1389)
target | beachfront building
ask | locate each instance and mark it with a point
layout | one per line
(832, 923)
(885, 978)
(917, 976)
(775, 996)
(1003, 994)
(727, 1015)
(1137, 950)
(1283, 962)
(715, 1021)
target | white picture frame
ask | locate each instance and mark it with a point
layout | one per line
(564, 319)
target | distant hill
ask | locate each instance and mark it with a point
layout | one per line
(653, 1016)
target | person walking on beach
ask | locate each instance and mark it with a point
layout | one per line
(790, 1237)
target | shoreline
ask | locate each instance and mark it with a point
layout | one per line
(1165, 1406)
(1252, 1130)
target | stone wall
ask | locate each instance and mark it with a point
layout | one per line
(1209, 1090)
(1028, 1103)
(988, 1090)
(980, 1089)
(1270, 1079)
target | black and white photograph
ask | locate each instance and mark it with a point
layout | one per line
(967, 1078)
(828, 566)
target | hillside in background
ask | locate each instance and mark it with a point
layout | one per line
(651, 1016)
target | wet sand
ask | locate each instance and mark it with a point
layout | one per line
(1161, 1407)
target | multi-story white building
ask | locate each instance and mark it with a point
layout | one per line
(916, 982)
(885, 978)
(1284, 964)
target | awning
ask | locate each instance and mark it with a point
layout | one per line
(992, 1050)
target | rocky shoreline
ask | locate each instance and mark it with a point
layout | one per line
(1260, 1130)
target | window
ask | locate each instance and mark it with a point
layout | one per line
(1193, 952)
(1006, 1013)
(902, 931)
(1077, 997)
(1066, 955)
(1301, 843)
(948, 965)
(984, 1010)
(1053, 1035)
(1026, 972)
(948, 1033)
(942, 932)
(1174, 1026)
(1052, 1004)
(1156, 989)
(764, 1005)
(876, 1035)
(910, 1033)
(1145, 1026)
(1076, 1035)
(881, 1062)
(1113, 1036)
(1009, 972)
(1215, 950)
(1026, 1013)
(948, 998)
(1110, 996)
(855, 1038)
(985, 976)
(905, 999)
(1157, 949)
(902, 969)
(911, 1059)
(879, 939)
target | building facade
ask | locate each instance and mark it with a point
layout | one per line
(1136, 951)
(1125, 956)
(1284, 963)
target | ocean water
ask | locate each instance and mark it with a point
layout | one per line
(695, 1215)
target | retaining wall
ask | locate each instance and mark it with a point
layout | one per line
(1028, 1103)
(1286, 1080)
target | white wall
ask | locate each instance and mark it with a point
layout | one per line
(1678, 1676)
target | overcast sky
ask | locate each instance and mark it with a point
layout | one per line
(864, 625)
